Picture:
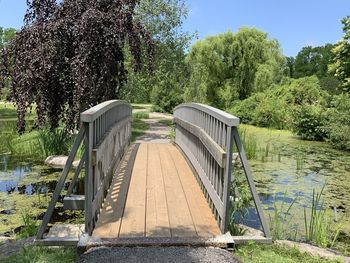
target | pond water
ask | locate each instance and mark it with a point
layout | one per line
(26, 187)
(286, 168)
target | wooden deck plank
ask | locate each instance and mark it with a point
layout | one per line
(157, 220)
(108, 223)
(133, 222)
(181, 223)
(203, 219)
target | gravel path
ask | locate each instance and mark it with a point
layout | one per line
(158, 132)
(158, 254)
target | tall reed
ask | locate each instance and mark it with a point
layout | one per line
(280, 222)
(318, 226)
(249, 143)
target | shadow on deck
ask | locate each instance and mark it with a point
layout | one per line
(154, 193)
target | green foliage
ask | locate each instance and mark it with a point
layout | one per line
(30, 226)
(245, 109)
(239, 211)
(249, 143)
(55, 141)
(339, 126)
(313, 61)
(276, 106)
(341, 66)
(138, 128)
(255, 253)
(232, 66)
(281, 219)
(165, 84)
(311, 122)
(37, 254)
(271, 113)
(318, 225)
(140, 115)
(6, 35)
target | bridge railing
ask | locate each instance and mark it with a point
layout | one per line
(108, 132)
(105, 132)
(206, 136)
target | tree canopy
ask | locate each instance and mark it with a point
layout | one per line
(6, 35)
(164, 87)
(313, 61)
(341, 66)
(232, 66)
(70, 55)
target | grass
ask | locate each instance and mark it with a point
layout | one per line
(33, 254)
(30, 227)
(255, 253)
(138, 126)
(140, 115)
(35, 144)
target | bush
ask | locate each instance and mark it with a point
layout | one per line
(245, 109)
(275, 107)
(273, 112)
(339, 127)
(311, 122)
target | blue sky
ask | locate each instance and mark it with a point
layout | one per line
(294, 23)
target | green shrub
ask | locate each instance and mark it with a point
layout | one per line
(339, 127)
(274, 108)
(306, 91)
(311, 122)
(245, 109)
(272, 113)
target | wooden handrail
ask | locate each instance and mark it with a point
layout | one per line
(108, 133)
(206, 136)
(105, 132)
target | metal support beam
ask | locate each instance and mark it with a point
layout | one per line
(251, 183)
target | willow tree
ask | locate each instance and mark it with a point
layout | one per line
(69, 56)
(232, 66)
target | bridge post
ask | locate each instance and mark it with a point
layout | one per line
(88, 182)
(227, 182)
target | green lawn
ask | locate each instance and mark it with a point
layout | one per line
(33, 254)
(254, 253)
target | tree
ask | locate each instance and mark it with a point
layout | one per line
(313, 61)
(341, 65)
(6, 35)
(164, 87)
(232, 66)
(290, 67)
(69, 56)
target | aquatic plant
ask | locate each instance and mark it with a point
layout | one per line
(280, 220)
(54, 142)
(249, 143)
(318, 226)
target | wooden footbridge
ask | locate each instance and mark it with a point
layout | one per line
(153, 193)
